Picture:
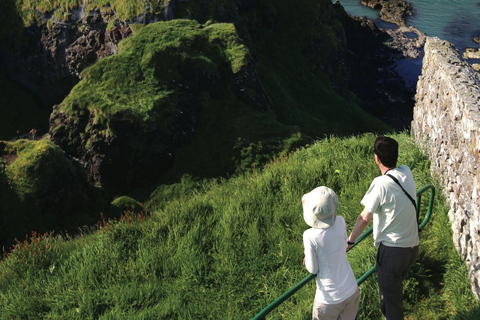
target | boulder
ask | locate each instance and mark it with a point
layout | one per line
(43, 189)
(471, 53)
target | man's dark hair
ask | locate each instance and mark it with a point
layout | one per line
(387, 151)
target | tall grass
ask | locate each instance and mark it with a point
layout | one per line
(225, 249)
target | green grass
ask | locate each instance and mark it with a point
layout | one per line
(226, 249)
(140, 81)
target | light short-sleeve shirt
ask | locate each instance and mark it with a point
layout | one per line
(394, 216)
(326, 257)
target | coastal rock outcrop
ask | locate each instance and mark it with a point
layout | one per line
(471, 53)
(393, 11)
(382, 90)
(446, 123)
(43, 189)
(406, 39)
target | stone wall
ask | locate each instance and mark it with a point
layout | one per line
(446, 123)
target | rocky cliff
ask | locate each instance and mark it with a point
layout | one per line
(47, 58)
(446, 123)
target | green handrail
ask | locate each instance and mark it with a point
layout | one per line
(304, 281)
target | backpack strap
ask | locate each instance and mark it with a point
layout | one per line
(406, 193)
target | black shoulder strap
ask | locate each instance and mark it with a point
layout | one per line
(409, 196)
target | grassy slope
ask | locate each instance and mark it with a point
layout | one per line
(231, 135)
(225, 250)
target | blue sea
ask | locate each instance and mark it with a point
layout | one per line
(456, 21)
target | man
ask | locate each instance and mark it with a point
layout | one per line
(395, 228)
(337, 294)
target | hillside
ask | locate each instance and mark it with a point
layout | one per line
(225, 249)
(214, 94)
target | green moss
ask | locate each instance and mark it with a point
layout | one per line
(37, 163)
(138, 83)
(111, 24)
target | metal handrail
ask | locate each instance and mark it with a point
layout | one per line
(304, 281)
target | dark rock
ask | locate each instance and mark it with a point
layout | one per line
(396, 11)
(95, 44)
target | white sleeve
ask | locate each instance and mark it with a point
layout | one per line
(371, 199)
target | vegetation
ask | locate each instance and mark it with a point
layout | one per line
(225, 249)
(169, 87)
(139, 83)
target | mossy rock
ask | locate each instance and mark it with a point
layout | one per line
(43, 189)
(132, 112)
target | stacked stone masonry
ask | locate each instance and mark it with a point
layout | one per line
(446, 123)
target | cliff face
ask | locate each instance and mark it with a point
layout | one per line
(47, 58)
(446, 122)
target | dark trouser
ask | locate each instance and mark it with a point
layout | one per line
(392, 267)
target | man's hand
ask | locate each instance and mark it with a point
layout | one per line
(348, 247)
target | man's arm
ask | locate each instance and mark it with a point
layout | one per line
(362, 223)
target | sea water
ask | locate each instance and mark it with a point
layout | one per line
(457, 21)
